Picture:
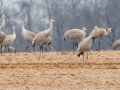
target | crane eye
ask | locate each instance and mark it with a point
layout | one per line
(53, 19)
(5, 14)
(111, 29)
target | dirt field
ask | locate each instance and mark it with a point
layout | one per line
(60, 71)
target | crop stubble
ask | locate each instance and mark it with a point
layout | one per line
(60, 71)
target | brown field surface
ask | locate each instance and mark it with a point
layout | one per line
(60, 71)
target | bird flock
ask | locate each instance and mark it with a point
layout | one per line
(44, 38)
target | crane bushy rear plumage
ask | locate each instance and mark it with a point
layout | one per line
(116, 44)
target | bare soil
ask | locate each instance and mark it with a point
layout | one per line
(60, 71)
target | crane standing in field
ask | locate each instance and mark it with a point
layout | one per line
(85, 45)
(8, 41)
(42, 36)
(116, 44)
(100, 33)
(2, 29)
(75, 34)
(28, 35)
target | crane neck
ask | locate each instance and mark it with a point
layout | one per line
(51, 26)
(14, 32)
(83, 29)
(91, 36)
(108, 32)
(3, 24)
(23, 27)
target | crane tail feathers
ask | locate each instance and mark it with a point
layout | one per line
(78, 55)
(33, 44)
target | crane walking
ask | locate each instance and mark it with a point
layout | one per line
(28, 35)
(42, 36)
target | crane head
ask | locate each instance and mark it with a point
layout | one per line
(96, 27)
(53, 20)
(111, 30)
(23, 20)
(13, 28)
(4, 15)
(84, 28)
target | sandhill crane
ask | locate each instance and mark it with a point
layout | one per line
(116, 44)
(75, 34)
(85, 45)
(42, 36)
(9, 40)
(28, 35)
(48, 43)
(100, 33)
(2, 29)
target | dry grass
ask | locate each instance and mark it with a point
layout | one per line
(60, 71)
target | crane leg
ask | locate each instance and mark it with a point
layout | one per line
(87, 55)
(83, 58)
(76, 43)
(1, 49)
(89, 51)
(33, 48)
(8, 50)
(26, 48)
(114, 48)
(99, 44)
(73, 46)
(94, 44)
(4, 49)
(41, 51)
(13, 49)
(46, 48)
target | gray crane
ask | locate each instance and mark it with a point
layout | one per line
(28, 35)
(85, 45)
(75, 34)
(100, 33)
(2, 29)
(9, 40)
(42, 36)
